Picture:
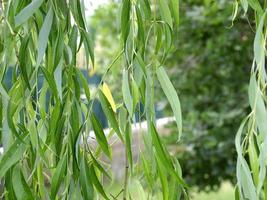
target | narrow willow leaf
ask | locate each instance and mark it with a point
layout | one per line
(126, 93)
(159, 39)
(21, 188)
(141, 31)
(259, 43)
(163, 180)
(58, 78)
(12, 107)
(257, 104)
(244, 4)
(85, 181)
(68, 54)
(23, 57)
(106, 91)
(12, 156)
(141, 63)
(165, 12)
(123, 118)
(100, 135)
(147, 171)
(262, 159)
(88, 46)
(163, 155)
(125, 19)
(174, 5)
(128, 138)
(27, 12)
(135, 92)
(51, 81)
(172, 97)
(58, 51)
(58, 176)
(73, 42)
(96, 182)
(243, 169)
(84, 84)
(43, 35)
(253, 159)
(109, 114)
(168, 38)
(98, 166)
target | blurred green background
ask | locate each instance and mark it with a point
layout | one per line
(210, 70)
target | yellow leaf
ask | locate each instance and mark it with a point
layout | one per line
(107, 93)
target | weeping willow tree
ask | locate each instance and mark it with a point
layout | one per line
(44, 123)
(252, 148)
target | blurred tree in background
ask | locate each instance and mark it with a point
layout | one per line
(210, 71)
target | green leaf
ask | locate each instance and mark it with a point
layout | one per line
(257, 105)
(163, 180)
(163, 155)
(96, 182)
(85, 181)
(165, 12)
(141, 31)
(127, 97)
(172, 97)
(243, 172)
(21, 188)
(58, 78)
(125, 19)
(43, 35)
(253, 159)
(109, 113)
(259, 42)
(51, 81)
(135, 92)
(88, 46)
(128, 135)
(12, 156)
(24, 58)
(84, 83)
(98, 166)
(175, 10)
(27, 12)
(73, 42)
(147, 170)
(159, 38)
(58, 176)
(244, 4)
(100, 135)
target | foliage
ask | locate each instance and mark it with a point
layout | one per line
(209, 69)
(251, 149)
(44, 126)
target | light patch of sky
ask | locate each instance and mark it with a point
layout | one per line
(92, 5)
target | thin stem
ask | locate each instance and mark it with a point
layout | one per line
(126, 175)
